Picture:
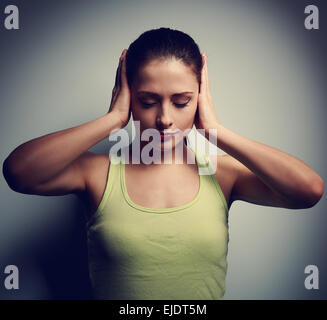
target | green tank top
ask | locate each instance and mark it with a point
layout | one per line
(177, 253)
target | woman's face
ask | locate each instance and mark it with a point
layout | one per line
(164, 97)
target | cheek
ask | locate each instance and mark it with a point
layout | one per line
(136, 109)
(143, 115)
(185, 119)
(193, 108)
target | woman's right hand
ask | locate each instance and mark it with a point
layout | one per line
(120, 105)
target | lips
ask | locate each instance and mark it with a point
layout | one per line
(167, 133)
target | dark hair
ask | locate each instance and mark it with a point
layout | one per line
(162, 43)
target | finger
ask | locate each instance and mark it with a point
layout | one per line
(119, 75)
(120, 68)
(207, 77)
(116, 78)
(123, 71)
(207, 73)
(113, 98)
(203, 78)
(114, 93)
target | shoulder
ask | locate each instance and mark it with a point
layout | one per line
(93, 166)
(95, 169)
(225, 164)
(89, 160)
(226, 173)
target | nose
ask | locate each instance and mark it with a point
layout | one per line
(164, 119)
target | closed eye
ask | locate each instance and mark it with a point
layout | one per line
(148, 104)
(179, 105)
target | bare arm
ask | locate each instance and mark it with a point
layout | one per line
(43, 159)
(265, 175)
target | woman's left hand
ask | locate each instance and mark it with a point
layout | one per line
(205, 116)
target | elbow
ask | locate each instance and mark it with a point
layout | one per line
(10, 177)
(316, 191)
(309, 195)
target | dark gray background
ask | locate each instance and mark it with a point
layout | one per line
(267, 76)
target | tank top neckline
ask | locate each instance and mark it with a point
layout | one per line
(159, 210)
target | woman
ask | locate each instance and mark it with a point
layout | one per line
(158, 230)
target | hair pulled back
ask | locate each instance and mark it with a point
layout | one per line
(162, 43)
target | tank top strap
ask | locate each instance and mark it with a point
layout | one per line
(208, 169)
(205, 166)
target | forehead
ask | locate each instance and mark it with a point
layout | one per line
(169, 75)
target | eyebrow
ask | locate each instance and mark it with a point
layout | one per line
(157, 95)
